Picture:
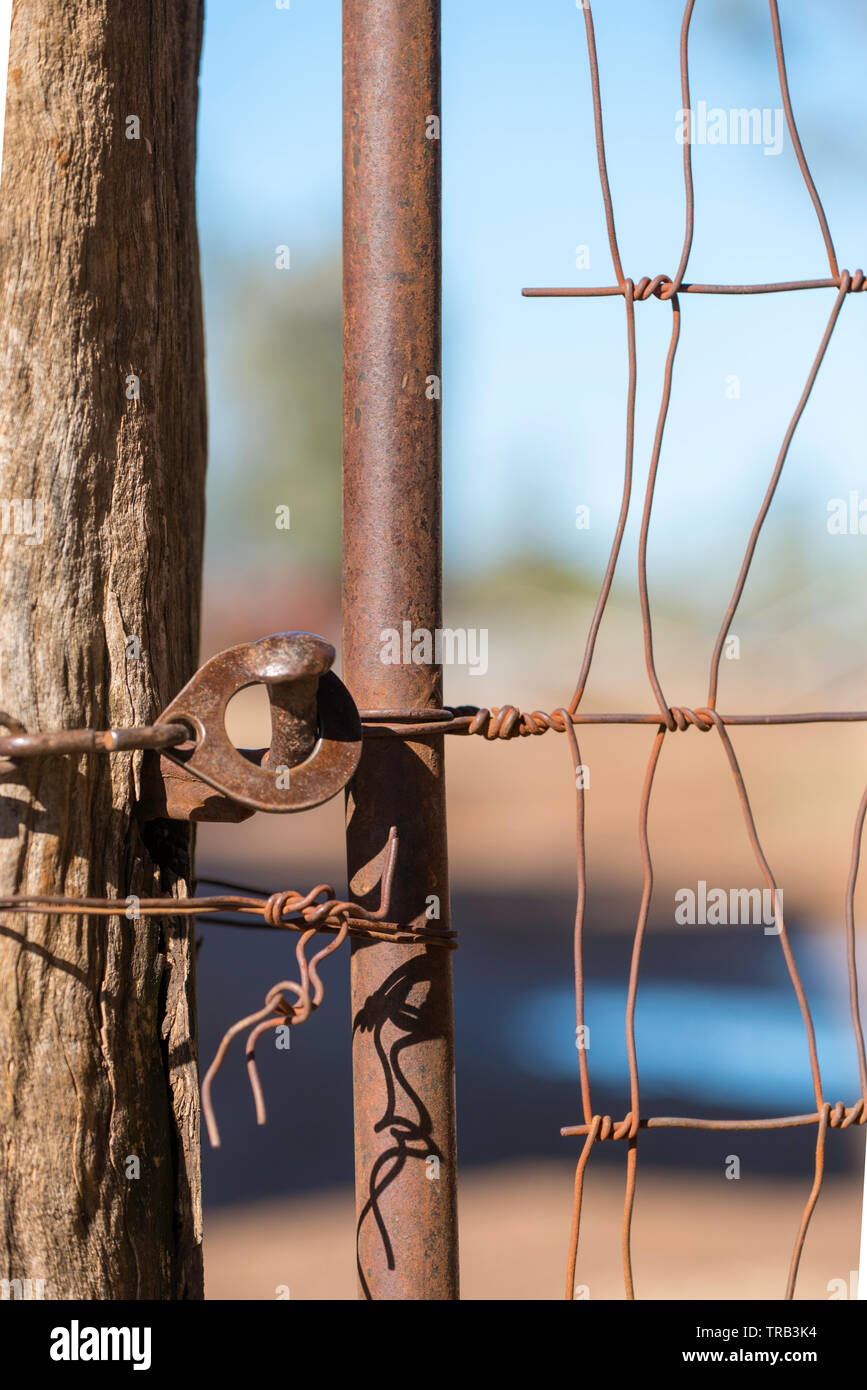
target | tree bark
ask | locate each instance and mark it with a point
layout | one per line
(98, 285)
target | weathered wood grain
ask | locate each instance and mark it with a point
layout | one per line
(98, 282)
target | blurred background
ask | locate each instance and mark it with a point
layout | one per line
(534, 412)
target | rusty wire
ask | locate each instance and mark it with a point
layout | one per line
(277, 1011)
(310, 913)
(500, 722)
(18, 743)
(509, 722)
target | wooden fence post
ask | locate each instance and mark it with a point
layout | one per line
(102, 456)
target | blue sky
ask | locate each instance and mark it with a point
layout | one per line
(534, 392)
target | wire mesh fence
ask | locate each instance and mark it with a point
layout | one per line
(598, 1128)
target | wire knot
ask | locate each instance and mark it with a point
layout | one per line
(606, 1128)
(657, 287)
(841, 1116)
(278, 907)
(507, 721)
(682, 719)
(852, 283)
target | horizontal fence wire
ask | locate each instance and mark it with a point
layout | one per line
(500, 722)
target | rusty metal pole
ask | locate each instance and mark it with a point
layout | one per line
(403, 1037)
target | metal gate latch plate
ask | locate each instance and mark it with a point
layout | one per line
(315, 741)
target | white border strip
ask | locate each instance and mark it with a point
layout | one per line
(5, 33)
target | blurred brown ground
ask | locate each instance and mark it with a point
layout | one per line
(694, 1237)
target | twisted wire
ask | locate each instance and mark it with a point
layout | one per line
(309, 916)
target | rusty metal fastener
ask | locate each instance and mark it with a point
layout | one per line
(315, 742)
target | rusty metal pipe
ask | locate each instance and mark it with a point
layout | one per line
(403, 1042)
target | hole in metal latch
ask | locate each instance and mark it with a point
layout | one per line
(248, 718)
